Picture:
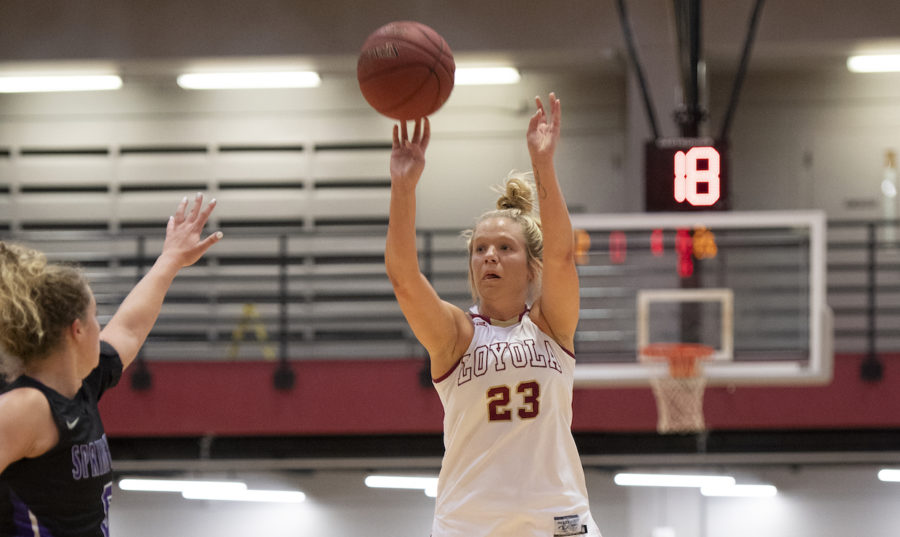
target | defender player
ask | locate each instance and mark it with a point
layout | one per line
(55, 466)
(504, 370)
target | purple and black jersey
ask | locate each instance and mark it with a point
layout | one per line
(66, 491)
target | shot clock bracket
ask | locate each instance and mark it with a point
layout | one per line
(690, 172)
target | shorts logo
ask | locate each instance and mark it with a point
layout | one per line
(568, 525)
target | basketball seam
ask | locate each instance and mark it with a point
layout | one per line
(437, 60)
(440, 55)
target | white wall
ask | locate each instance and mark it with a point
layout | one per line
(477, 138)
(814, 140)
(809, 139)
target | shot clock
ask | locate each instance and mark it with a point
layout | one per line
(686, 174)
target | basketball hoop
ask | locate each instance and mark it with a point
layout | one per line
(679, 394)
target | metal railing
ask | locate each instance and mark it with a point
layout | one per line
(289, 294)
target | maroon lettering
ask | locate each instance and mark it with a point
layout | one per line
(465, 370)
(498, 400)
(519, 354)
(501, 351)
(531, 393)
(497, 355)
(536, 358)
(552, 361)
(481, 360)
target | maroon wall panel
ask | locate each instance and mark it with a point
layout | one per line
(385, 397)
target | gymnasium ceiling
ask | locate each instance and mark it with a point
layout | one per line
(142, 35)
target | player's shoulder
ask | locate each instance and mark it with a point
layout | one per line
(26, 424)
(22, 402)
(464, 329)
(539, 319)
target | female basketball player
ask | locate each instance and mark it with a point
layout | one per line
(54, 458)
(504, 369)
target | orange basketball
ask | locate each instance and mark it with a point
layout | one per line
(405, 70)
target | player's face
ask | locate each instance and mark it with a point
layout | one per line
(499, 262)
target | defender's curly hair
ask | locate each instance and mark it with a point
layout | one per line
(38, 300)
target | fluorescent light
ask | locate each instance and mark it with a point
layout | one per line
(49, 83)
(212, 490)
(888, 474)
(178, 485)
(230, 495)
(250, 80)
(874, 63)
(741, 491)
(473, 76)
(400, 482)
(672, 480)
(426, 484)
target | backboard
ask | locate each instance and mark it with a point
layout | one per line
(751, 285)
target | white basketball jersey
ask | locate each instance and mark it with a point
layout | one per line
(510, 465)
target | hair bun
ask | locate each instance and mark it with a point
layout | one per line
(517, 194)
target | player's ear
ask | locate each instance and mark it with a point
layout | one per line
(77, 328)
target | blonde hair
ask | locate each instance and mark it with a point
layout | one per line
(517, 203)
(38, 300)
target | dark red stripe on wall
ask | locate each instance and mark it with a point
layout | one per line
(372, 397)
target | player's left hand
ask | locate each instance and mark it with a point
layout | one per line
(183, 245)
(543, 131)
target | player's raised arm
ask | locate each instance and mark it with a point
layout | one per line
(134, 319)
(559, 301)
(434, 322)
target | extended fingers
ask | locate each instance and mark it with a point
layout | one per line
(179, 211)
(204, 214)
(417, 131)
(555, 108)
(540, 105)
(536, 119)
(420, 136)
(426, 133)
(198, 202)
(209, 241)
(198, 215)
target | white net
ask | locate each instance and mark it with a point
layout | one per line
(679, 402)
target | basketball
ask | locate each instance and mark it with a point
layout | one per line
(405, 70)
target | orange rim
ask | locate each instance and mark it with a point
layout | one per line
(682, 357)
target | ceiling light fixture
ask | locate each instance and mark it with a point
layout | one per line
(874, 63)
(177, 485)
(672, 480)
(740, 491)
(426, 484)
(889, 475)
(57, 83)
(249, 80)
(476, 76)
(248, 495)
(212, 490)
